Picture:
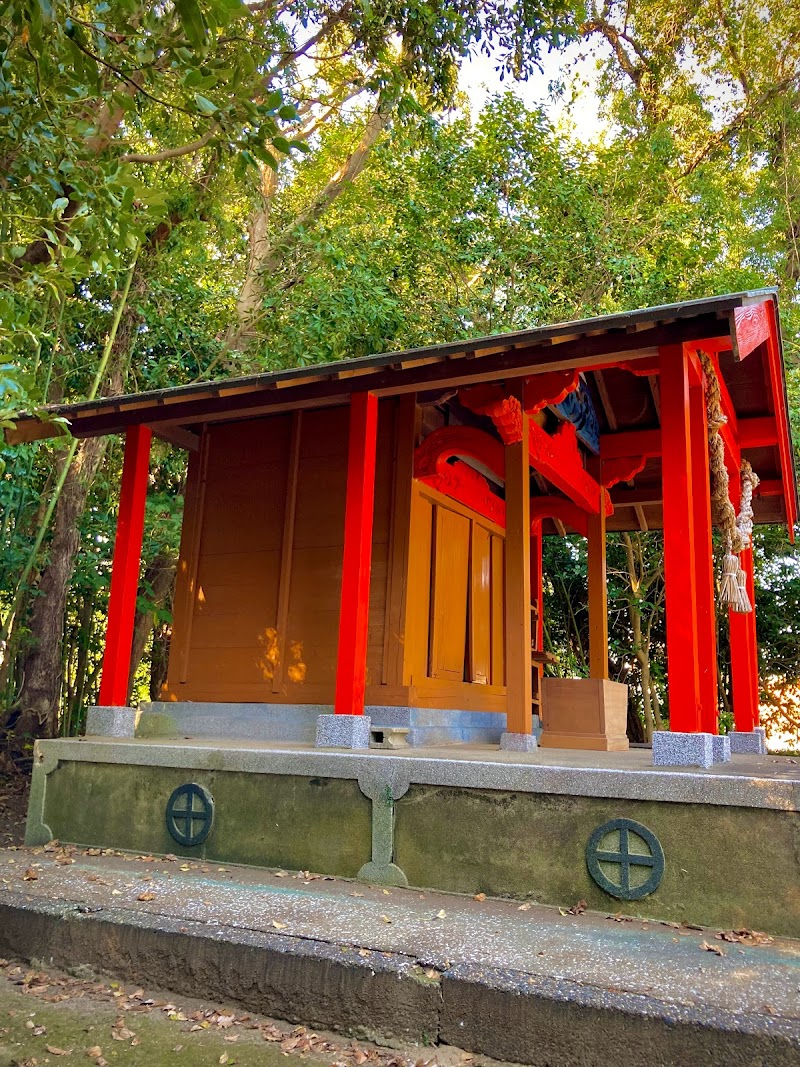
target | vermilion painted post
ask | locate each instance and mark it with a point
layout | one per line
(596, 574)
(351, 665)
(536, 583)
(704, 562)
(679, 542)
(125, 569)
(744, 656)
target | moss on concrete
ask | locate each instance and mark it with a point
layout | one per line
(319, 824)
(725, 866)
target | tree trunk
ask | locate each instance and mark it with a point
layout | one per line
(35, 712)
(157, 585)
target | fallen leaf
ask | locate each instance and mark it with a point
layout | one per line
(579, 908)
(277, 925)
(712, 948)
(480, 896)
(524, 907)
(223, 1058)
(94, 1052)
(116, 892)
(363, 952)
(146, 896)
(55, 1051)
(30, 875)
(386, 918)
(441, 914)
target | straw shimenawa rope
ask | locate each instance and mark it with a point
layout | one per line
(736, 531)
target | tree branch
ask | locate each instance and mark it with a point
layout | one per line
(170, 153)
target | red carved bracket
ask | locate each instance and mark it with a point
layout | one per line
(642, 368)
(504, 411)
(430, 458)
(622, 469)
(468, 487)
(556, 507)
(550, 388)
(558, 458)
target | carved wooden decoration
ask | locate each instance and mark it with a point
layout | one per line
(556, 507)
(431, 457)
(622, 469)
(504, 411)
(544, 389)
(463, 483)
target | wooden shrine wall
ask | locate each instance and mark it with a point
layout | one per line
(257, 598)
(455, 643)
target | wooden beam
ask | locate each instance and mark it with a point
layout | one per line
(750, 328)
(679, 543)
(704, 561)
(598, 594)
(519, 691)
(125, 569)
(188, 440)
(287, 549)
(775, 363)
(759, 432)
(351, 664)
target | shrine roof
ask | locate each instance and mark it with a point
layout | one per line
(615, 354)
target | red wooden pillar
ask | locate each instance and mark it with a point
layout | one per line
(351, 665)
(683, 674)
(596, 574)
(744, 656)
(519, 690)
(125, 569)
(537, 596)
(704, 562)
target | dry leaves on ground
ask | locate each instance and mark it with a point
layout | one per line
(711, 948)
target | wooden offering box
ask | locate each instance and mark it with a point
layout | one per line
(584, 713)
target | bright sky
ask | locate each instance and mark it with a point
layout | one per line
(479, 80)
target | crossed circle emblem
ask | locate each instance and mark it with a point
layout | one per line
(625, 859)
(190, 813)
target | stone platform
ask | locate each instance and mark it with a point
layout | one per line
(467, 819)
(527, 983)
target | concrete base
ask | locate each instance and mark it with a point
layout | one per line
(518, 742)
(112, 722)
(721, 748)
(752, 742)
(672, 749)
(456, 820)
(289, 722)
(342, 731)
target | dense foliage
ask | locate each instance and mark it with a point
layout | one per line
(205, 186)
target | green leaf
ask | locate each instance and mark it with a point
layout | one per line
(207, 106)
(193, 22)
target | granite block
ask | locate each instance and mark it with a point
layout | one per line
(510, 742)
(721, 748)
(111, 722)
(753, 742)
(342, 731)
(673, 749)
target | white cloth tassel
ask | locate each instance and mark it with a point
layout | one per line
(743, 604)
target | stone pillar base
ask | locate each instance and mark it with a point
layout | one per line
(342, 731)
(753, 742)
(672, 749)
(518, 742)
(721, 748)
(111, 722)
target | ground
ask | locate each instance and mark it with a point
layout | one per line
(49, 1017)
(13, 808)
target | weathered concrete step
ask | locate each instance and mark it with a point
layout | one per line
(533, 986)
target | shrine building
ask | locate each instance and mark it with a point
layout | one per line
(359, 600)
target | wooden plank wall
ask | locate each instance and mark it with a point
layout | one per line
(257, 596)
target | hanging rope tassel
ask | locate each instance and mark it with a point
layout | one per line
(729, 586)
(742, 604)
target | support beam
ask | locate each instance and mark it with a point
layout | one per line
(679, 543)
(744, 656)
(351, 665)
(598, 596)
(537, 589)
(704, 560)
(518, 579)
(125, 568)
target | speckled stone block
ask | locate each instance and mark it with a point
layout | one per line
(518, 742)
(753, 742)
(682, 750)
(111, 722)
(343, 731)
(721, 748)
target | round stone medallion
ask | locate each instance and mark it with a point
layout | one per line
(189, 814)
(625, 859)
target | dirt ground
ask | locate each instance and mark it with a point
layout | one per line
(49, 1017)
(13, 808)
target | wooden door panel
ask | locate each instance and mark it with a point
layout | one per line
(450, 591)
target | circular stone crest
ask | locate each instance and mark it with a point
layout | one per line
(625, 859)
(189, 814)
